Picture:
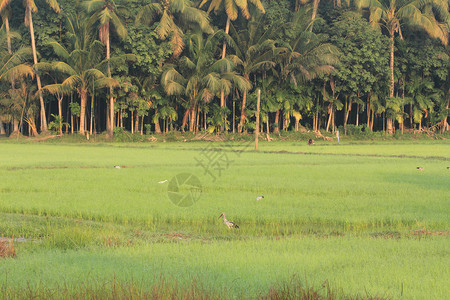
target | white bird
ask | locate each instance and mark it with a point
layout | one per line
(117, 167)
(420, 168)
(163, 181)
(228, 223)
(259, 198)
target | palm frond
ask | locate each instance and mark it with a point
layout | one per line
(147, 13)
(59, 49)
(104, 82)
(58, 89)
(222, 65)
(17, 72)
(243, 5)
(93, 5)
(231, 9)
(118, 25)
(54, 5)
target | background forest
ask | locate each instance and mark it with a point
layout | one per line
(177, 65)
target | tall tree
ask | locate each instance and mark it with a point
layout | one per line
(104, 12)
(200, 78)
(231, 8)
(82, 67)
(31, 7)
(13, 67)
(174, 15)
(255, 51)
(302, 57)
(5, 12)
(392, 14)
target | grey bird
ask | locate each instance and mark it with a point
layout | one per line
(259, 198)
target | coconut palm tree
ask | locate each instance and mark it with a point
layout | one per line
(231, 8)
(5, 13)
(392, 15)
(82, 67)
(255, 51)
(199, 77)
(173, 15)
(13, 67)
(31, 7)
(104, 12)
(304, 57)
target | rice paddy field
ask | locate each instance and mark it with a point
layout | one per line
(111, 220)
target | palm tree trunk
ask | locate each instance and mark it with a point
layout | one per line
(227, 30)
(8, 41)
(60, 98)
(192, 119)
(348, 108)
(71, 115)
(2, 129)
(389, 125)
(330, 115)
(411, 121)
(136, 123)
(314, 13)
(185, 118)
(224, 50)
(156, 121)
(277, 121)
(198, 119)
(241, 122)
(44, 128)
(33, 126)
(8, 38)
(111, 99)
(333, 120)
(92, 113)
(357, 114)
(15, 126)
(234, 115)
(368, 110)
(316, 116)
(83, 96)
(132, 129)
(445, 125)
(372, 120)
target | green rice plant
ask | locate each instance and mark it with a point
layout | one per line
(360, 217)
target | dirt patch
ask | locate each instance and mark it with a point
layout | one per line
(175, 235)
(7, 248)
(421, 232)
(65, 167)
(415, 233)
(44, 138)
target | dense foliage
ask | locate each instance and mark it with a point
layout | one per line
(158, 66)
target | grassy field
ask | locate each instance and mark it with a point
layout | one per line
(349, 220)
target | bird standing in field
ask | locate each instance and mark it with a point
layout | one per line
(228, 223)
(259, 198)
(420, 168)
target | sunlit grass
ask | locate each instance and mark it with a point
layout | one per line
(368, 226)
(358, 266)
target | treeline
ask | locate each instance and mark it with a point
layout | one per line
(158, 66)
